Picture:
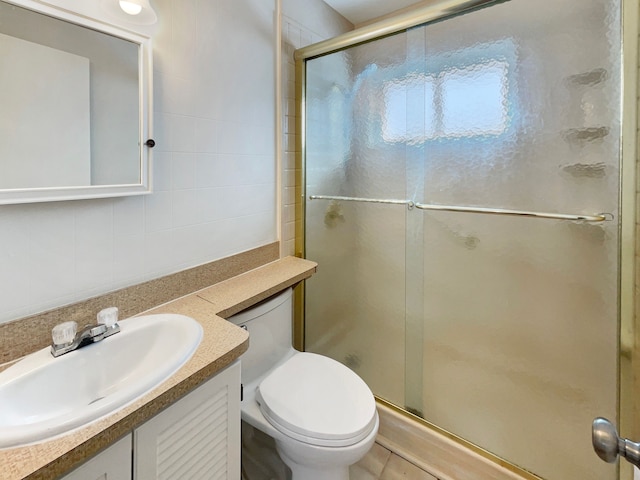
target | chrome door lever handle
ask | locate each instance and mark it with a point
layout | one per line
(608, 445)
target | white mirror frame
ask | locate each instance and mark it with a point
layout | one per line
(92, 18)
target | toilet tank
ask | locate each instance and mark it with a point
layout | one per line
(269, 324)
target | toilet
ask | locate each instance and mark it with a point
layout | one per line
(321, 415)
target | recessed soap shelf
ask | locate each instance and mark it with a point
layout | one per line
(589, 79)
(585, 134)
(586, 170)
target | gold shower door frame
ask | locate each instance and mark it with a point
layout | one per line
(628, 321)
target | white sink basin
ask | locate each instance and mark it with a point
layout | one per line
(42, 396)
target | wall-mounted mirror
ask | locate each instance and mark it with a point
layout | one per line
(74, 106)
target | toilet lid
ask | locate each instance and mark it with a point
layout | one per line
(317, 400)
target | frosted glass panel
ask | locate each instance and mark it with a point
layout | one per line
(520, 342)
(361, 246)
(501, 330)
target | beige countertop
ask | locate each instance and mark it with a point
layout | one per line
(222, 344)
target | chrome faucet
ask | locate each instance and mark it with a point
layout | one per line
(67, 338)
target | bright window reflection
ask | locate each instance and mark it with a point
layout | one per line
(454, 103)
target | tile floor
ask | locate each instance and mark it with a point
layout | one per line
(381, 464)
(261, 462)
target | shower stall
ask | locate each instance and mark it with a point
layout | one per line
(461, 194)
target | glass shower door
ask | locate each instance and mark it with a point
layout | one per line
(501, 329)
(355, 309)
(521, 313)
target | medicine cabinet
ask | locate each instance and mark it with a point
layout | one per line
(75, 105)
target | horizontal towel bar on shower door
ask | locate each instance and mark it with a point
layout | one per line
(600, 217)
(358, 199)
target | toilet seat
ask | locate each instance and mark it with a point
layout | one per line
(317, 400)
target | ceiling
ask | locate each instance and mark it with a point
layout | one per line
(360, 11)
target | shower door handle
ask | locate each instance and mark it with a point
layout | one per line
(608, 445)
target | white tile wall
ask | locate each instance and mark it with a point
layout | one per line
(213, 173)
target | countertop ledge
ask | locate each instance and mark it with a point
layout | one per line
(221, 345)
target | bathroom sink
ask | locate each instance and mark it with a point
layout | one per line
(42, 396)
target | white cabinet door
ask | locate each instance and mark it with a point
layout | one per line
(198, 437)
(114, 463)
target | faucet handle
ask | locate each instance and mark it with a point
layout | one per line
(64, 333)
(108, 316)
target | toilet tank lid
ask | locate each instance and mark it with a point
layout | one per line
(318, 397)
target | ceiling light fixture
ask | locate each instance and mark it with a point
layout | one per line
(138, 12)
(131, 8)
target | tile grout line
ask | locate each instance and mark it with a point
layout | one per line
(395, 450)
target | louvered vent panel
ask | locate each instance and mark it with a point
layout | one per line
(195, 447)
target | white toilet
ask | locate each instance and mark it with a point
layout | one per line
(321, 415)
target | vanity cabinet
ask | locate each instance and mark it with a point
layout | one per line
(198, 437)
(114, 463)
